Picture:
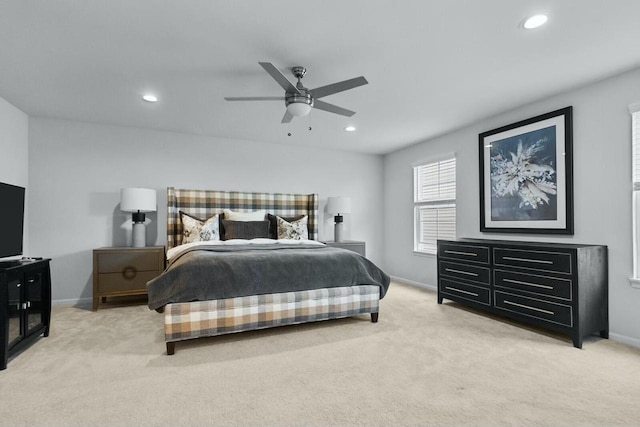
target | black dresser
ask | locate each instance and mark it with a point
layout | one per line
(558, 286)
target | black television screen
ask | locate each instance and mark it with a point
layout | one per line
(11, 219)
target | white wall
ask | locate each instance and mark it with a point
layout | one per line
(14, 153)
(602, 190)
(77, 170)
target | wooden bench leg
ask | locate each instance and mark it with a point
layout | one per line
(171, 348)
(374, 317)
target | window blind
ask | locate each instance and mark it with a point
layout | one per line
(436, 181)
(435, 207)
(435, 222)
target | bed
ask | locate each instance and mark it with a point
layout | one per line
(249, 282)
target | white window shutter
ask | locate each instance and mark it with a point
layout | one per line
(435, 211)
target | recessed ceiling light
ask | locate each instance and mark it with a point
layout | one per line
(350, 128)
(535, 21)
(150, 98)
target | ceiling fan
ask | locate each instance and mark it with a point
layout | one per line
(298, 99)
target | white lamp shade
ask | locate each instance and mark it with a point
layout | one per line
(299, 109)
(339, 205)
(137, 199)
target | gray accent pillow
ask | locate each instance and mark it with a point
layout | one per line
(245, 229)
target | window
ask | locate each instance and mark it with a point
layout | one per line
(435, 204)
(635, 158)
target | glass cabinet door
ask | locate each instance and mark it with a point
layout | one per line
(15, 310)
(33, 301)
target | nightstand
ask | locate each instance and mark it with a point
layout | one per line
(124, 271)
(352, 245)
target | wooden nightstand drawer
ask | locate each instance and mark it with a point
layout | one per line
(352, 245)
(129, 281)
(124, 271)
(117, 262)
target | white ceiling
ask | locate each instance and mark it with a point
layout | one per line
(432, 65)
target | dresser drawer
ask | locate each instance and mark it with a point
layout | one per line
(533, 307)
(534, 283)
(464, 252)
(129, 281)
(117, 262)
(464, 271)
(533, 259)
(465, 291)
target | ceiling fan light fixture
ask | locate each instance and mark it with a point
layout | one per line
(299, 109)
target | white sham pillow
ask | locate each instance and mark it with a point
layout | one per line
(244, 216)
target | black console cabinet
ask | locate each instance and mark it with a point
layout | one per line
(563, 287)
(25, 305)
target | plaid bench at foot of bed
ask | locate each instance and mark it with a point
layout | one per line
(197, 319)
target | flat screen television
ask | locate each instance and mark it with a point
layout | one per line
(11, 219)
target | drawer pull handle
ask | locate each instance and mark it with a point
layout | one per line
(468, 273)
(460, 290)
(539, 261)
(527, 283)
(529, 307)
(460, 253)
(129, 272)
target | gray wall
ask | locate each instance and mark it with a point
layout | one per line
(14, 154)
(76, 171)
(602, 190)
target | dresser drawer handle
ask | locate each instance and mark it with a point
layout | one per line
(527, 283)
(468, 273)
(460, 253)
(129, 272)
(529, 307)
(539, 261)
(460, 290)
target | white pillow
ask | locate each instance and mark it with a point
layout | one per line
(244, 216)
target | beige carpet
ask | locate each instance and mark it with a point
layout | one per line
(422, 364)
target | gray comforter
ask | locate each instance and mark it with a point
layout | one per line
(218, 272)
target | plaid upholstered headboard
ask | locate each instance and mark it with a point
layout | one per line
(206, 203)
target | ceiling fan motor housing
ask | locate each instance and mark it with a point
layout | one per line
(302, 98)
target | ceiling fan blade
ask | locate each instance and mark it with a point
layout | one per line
(279, 77)
(255, 98)
(325, 106)
(319, 92)
(287, 117)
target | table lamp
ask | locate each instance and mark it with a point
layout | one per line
(138, 201)
(338, 205)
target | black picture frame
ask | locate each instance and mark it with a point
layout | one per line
(526, 176)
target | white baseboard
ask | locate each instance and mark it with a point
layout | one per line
(633, 342)
(414, 283)
(73, 302)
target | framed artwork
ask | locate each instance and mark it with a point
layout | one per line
(526, 176)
